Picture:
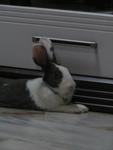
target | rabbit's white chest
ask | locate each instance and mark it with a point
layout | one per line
(42, 95)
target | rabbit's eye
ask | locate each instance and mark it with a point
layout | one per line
(57, 73)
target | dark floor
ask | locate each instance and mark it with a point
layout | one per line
(55, 131)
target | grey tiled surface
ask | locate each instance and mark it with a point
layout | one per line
(55, 131)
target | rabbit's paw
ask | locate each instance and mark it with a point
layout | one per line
(79, 108)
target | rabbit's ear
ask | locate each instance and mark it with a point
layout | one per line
(40, 55)
(43, 53)
(48, 45)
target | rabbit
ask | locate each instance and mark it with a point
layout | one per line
(51, 92)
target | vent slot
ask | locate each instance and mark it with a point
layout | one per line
(97, 96)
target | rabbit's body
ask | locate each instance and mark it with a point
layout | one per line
(45, 98)
(34, 94)
(31, 94)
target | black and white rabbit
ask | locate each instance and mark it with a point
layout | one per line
(52, 92)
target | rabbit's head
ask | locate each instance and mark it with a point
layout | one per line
(57, 77)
